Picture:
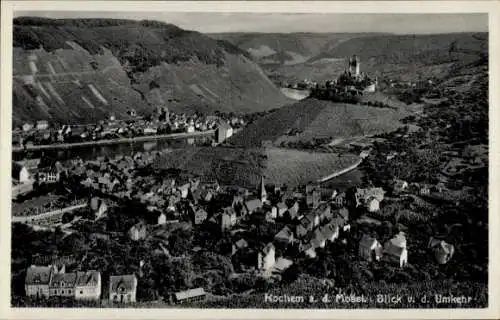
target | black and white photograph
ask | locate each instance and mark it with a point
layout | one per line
(248, 160)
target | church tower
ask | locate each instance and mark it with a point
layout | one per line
(354, 65)
(262, 190)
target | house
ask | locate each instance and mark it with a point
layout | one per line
(184, 190)
(314, 217)
(150, 130)
(37, 281)
(200, 215)
(324, 212)
(122, 289)
(63, 285)
(27, 126)
(330, 232)
(223, 132)
(88, 285)
(370, 198)
(281, 208)
(309, 250)
(238, 245)
(285, 236)
(190, 128)
(313, 195)
(252, 206)
(443, 251)
(395, 250)
(137, 231)
(48, 176)
(228, 218)
(191, 295)
(162, 219)
(293, 211)
(318, 240)
(20, 173)
(266, 257)
(42, 125)
(399, 186)
(372, 204)
(98, 207)
(370, 249)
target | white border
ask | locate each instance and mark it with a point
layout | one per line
(491, 7)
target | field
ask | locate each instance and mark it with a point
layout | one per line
(293, 167)
(244, 167)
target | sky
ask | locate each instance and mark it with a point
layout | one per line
(210, 22)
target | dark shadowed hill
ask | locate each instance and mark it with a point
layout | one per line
(84, 69)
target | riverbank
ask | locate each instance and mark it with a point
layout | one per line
(340, 172)
(182, 135)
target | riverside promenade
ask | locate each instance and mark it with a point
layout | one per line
(54, 146)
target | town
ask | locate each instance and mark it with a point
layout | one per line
(298, 222)
(161, 123)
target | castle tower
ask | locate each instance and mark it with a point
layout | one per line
(262, 190)
(354, 65)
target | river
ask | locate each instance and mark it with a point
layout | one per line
(112, 150)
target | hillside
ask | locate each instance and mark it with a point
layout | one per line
(244, 167)
(311, 118)
(285, 48)
(81, 70)
(400, 55)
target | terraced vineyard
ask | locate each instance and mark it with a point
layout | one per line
(78, 71)
(311, 118)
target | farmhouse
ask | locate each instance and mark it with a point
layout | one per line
(123, 289)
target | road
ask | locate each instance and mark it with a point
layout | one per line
(181, 135)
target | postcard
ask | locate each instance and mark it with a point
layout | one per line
(249, 159)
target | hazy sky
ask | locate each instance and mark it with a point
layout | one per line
(209, 22)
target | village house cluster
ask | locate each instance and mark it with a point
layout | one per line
(164, 122)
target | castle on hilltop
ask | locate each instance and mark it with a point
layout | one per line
(349, 86)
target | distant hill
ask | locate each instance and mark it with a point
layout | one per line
(310, 118)
(404, 57)
(417, 55)
(81, 70)
(285, 48)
